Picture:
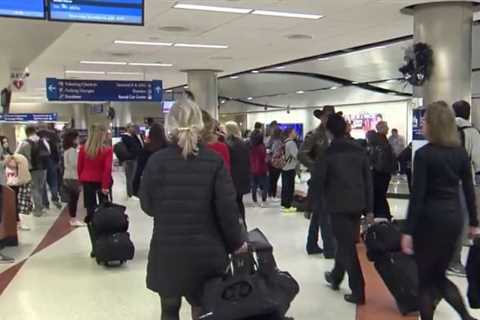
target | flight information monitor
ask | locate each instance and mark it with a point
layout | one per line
(127, 12)
(33, 9)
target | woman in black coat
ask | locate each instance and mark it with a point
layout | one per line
(156, 141)
(240, 161)
(435, 219)
(190, 195)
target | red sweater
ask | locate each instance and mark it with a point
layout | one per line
(98, 169)
(222, 150)
(258, 160)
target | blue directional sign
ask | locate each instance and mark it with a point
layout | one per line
(26, 117)
(129, 12)
(104, 90)
(23, 8)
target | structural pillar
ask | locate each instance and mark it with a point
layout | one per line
(203, 84)
(80, 116)
(447, 28)
(123, 114)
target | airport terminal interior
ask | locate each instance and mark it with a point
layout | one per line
(87, 86)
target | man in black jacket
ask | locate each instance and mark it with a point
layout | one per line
(342, 177)
(134, 143)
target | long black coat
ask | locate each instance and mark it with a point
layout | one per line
(240, 160)
(195, 220)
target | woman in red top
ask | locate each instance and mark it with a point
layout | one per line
(95, 170)
(210, 138)
(259, 167)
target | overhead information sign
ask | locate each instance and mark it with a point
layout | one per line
(27, 117)
(129, 12)
(101, 90)
(23, 8)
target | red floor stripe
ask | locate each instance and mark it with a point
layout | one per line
(7, 276)
(380, 303)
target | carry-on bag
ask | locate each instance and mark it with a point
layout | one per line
(382, 238)
(116, 247)
(110, 218)
(473, 275)
(400, 274)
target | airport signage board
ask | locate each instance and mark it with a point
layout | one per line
(104, 90)
(127, 12)
(33, 9)
(28, 117)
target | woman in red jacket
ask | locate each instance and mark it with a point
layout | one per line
(259, 167)
(95, 170)
(210, 134)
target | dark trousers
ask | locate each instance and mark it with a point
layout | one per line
(274, 176)
(130, 168)
(262, 183)
(171, 308)
(72, 187)
(241, 207)
(345, 228)
(52, 182)
(381, 182)
(321, 221)
(288, 188)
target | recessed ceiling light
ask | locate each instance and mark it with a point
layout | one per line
(234, 77)
(300, 92)
(211, 8)
(191, 45)
(144, 43)
(117, 63)
(223, 101)
(84, 72)
(250, 98)
(126, 73)
(287, 14)
(147, 64)
(185, 87)
(255, 71)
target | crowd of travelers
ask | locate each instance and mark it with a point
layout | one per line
(191, 176)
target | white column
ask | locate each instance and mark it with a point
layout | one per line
(203, 85)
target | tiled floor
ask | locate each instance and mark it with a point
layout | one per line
(62, 282)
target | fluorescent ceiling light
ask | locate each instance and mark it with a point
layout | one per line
(280, 68)
(185, 87)
(84, 72)
(115, 63)
(126, 73)
(144, 43)
(324, 59)
(234, 77)
(30, 98)
(255, 71)
(287, 14)
(391, 81)
(355, 82)
(333, 88)
(250, 98)
(211, 8)
(191, 45)
(169, 91)
(300, 92)
(146, 64)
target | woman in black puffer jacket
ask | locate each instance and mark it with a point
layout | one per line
(190, 195)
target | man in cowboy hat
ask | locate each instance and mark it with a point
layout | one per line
(316, 142)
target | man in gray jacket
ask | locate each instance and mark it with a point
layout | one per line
(312, 150)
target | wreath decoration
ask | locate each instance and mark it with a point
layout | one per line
(418, 64)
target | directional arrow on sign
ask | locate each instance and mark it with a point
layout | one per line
(52, 88)
(158, 89)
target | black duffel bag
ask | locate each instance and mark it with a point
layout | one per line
(242, 293)
(116, 247)
(382, 238)
(110, 218)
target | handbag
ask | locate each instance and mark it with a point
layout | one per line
(242, 293)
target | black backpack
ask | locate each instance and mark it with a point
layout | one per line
(39, 155)
(383, 159)
(121, 152)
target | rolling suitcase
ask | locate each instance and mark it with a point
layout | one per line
(400, 274)
(382, 238)
(116, 247)
(110, 218)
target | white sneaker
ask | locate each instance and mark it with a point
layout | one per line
(77, 224)
(23, 227)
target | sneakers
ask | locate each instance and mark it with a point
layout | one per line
(289, 210)
(74, 223)
(457, 270)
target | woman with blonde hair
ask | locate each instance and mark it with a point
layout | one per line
(95, 171)
(435, 220)
(240, 162)
(190, 195)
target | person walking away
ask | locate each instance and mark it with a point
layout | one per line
(382, 161)
(190, 195)
(435, 220)
(71, 184)
(19, 179)
(312, 150)
(259, 168)
(35, 151)
(342, 177)
(95, 173)
(209, 137)
(289, 171)
(405, 160)
(156, 141)
(134, 143)
(397, 142)
(51, 141)
(239, 156)
(275, 145)
(470, 140)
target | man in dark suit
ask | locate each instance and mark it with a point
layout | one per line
(134, 143)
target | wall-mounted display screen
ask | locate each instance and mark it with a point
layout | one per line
(33, 9)
(128, 12)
